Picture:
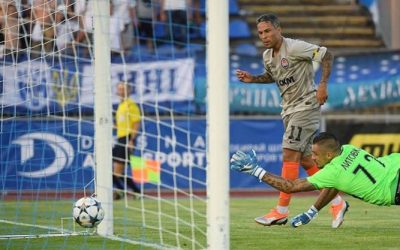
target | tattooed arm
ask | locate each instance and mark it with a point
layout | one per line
(246, 77)
(287, 186)
(247, 163)
(326, 64)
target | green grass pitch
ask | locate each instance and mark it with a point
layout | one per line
(366, 226)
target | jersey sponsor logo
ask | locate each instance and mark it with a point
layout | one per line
(315, 53)
(286, 81)
(61, 148)
(377, 144)
(285, 63)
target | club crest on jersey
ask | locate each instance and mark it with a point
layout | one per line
(285, 63)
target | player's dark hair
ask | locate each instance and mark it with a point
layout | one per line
(327, 140)
(272, 18)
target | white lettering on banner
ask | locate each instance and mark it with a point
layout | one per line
(275, 148)
(63, 153)
(141, 141)
(86, 143)
(169, 141)
(255, 97)
(248, 147)
(195, 157)
(265, 152)
(34, 84)
(178, 159)
(88, 162)
(199, 142)
(153, 81)
(269, 157)
(370, 93)
(26, 84)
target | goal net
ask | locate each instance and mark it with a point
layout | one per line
(48, 124)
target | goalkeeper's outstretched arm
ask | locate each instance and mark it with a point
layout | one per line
(300, 185)
(287, 186)
(247, 163)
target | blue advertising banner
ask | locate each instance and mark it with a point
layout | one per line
(364, 94)
(43, 87)
(265, 98)
(46, 155)
(356, 81)
(57, 155)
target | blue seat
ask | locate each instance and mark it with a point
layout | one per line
(247, 49)
(239, 29)
(233, 7)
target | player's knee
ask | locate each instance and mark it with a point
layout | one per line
(291, 155)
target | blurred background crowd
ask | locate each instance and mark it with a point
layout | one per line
(46, 26)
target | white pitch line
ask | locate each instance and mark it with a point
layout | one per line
(63, 232)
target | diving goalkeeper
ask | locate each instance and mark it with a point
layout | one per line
(343, 168)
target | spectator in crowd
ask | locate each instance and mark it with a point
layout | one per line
(116, 28)
(127, 119)
(9, 26)
(146, 12)
(67, 29)
(177, 14)
(25, 19)
(43, 33)
(122, 21)
(123, 16)
(197, 18)
(84, 11)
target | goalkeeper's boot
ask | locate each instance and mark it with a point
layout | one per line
(273, 218)
(338, 212)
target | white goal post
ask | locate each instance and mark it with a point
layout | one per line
(218, 125)
(103, 115)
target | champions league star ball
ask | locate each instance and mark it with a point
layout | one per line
(87, 212)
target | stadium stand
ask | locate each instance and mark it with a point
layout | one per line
(339, 24)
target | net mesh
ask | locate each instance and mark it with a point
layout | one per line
(47, 130)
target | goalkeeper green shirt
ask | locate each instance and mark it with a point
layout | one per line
(360, 174)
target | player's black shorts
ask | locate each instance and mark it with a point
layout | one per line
(121, 150)
(397, 195)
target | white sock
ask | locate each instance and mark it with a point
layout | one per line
(282, 209)
(337, 200)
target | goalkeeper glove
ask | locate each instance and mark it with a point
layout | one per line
(247, 163)
(305, 217)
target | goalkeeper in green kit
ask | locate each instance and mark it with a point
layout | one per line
(343, 168)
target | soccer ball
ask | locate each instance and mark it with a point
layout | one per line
(87, 212)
